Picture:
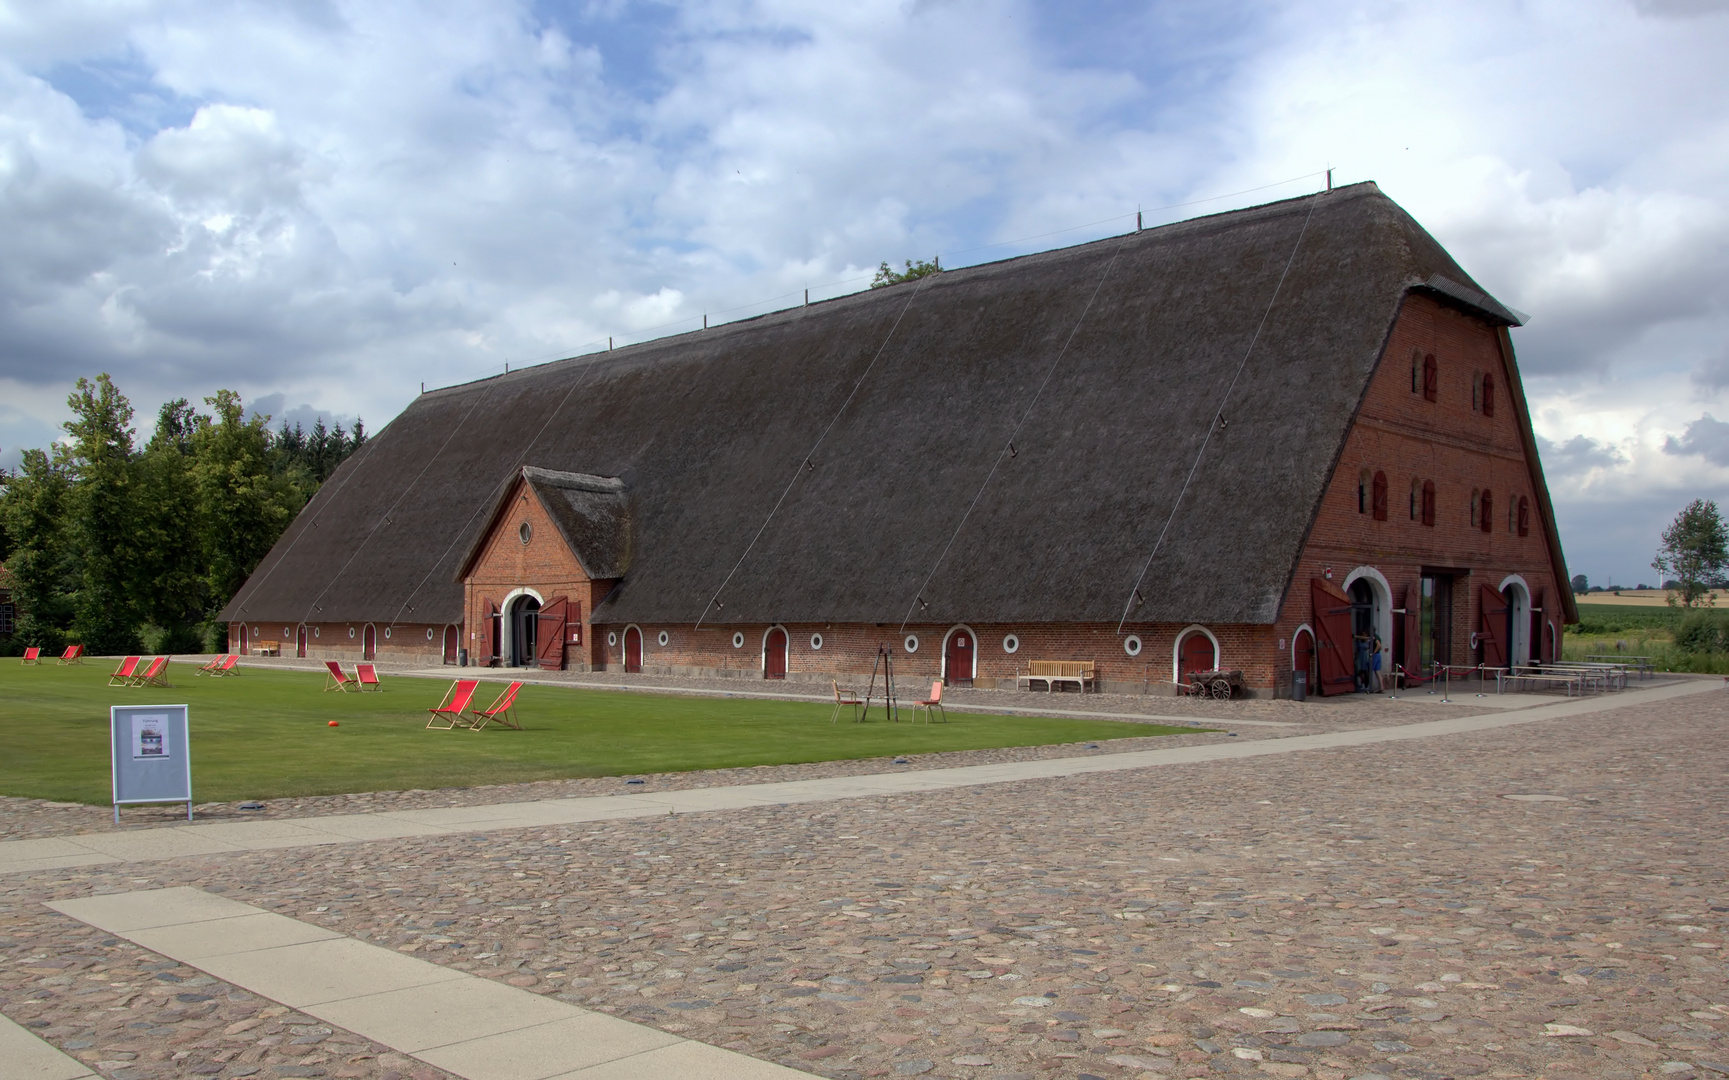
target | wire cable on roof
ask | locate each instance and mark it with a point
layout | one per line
(1008, 450)
(800, 469)
(1217, 423)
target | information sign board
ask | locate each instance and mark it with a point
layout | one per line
(151, 755)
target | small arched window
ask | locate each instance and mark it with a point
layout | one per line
(1524, 516)
(1416, 498)
(1488, 516)
(1380, 496)
(1416, 371)
(1489, 395)
(1431, 378)
(1363, 492)
(1476, 391)
(1429, 503)
(1476, 504)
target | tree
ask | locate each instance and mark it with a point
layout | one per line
(43, 572)
(169, 584)
(100, 517)
(1695, 552)
(243, 503)
(1581, 584)
(887, 275)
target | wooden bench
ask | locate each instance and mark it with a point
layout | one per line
(1053, 672)
(269, 648)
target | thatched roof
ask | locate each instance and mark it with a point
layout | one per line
(850, 458)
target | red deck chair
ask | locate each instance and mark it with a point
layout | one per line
(33, 655)
(74, 654)
(499, 711)
(454, 705)
(366, 678)
(211, 667)
(934, 702)
(337, 680)
(154, 675)
(123, 674)
(227, 665)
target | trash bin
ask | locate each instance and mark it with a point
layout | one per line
(462, 658)
(1299, 686)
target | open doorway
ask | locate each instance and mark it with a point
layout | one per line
(524, 621)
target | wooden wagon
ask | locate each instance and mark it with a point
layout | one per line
(1222, 685)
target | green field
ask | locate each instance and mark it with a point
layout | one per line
(265, 734)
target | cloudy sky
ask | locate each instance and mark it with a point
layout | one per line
(321, 203)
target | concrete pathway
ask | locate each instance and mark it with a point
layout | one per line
(476, 1028)
(19, 856)
(25, 1057)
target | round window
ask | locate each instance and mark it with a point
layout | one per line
(1011, 644)
(612, 638)
(429, 633)
(315, 631)
(1132, 645)
(664, 638)
(387, 633)
(524, 532)
(738, 641)
(286, 631)
(351, 632)
(911, 643)
(257, 630)
(816, 642)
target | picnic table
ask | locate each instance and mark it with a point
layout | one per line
(1646, 666)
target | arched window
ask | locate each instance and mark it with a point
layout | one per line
(1431, 378)
(1363, 492)
(1488, 517)
(1488, 395)
(1429, 503)
(1416, 371)
(1524, 516)
(1416, 498)
(1380, 496)
(1476, 391)
(1476, 504)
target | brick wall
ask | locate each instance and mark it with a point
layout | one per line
(1454, 444)
(394, 643)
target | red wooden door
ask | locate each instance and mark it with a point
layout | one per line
(300, 642)
(549, 635)
(774, 655)
(1333, 637)
(1538, 642)
(1407, 650)
(958, 659)
(1492, 610)
(632, 649)
(450, 644)
(245, 641)
(1196, 654)
(368, 643)
(1303, 656)
(494, 634)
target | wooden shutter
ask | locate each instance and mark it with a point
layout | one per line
(1412, 656)
(1429, 502)
(1486, 512)
(1431, 378)
(1489, 395)
(549, 634)
(1333, 649)
(489, 634)
(1492, 625)
(1380, 496)
(1538, 645)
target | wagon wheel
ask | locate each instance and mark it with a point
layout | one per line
(1222, 689)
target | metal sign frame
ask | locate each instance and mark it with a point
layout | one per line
(150, 755)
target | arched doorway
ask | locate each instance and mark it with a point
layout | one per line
(1371, 618)
(1518, 640)
(450, 645)
(960, 657)
(368, 643)
(245, 645)
(1196, 651)
(632, 650)
(1303, 657)
(524, 621)
(300, 641)
(774, 653)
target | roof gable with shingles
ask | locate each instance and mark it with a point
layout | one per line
(848, 461)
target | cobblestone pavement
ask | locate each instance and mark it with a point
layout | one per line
(22, 819)
(1544, 900)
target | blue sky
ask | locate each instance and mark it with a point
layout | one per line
(321, 203)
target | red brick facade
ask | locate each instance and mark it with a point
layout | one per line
(1456, 445)
(392, 643)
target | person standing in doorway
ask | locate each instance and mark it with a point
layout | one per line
(1362, 662)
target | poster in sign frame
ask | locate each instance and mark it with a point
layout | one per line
(150, 755)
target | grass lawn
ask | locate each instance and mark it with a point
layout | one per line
(264, 734)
